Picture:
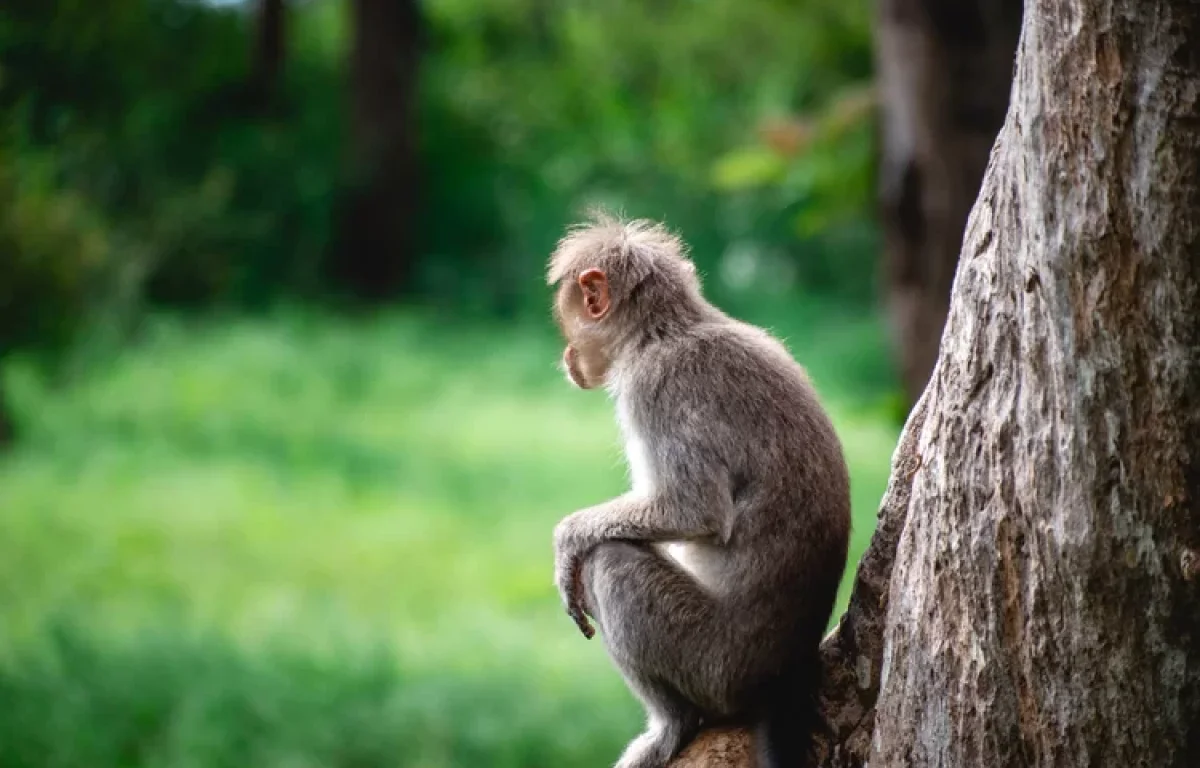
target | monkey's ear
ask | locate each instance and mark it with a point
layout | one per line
(595, 292)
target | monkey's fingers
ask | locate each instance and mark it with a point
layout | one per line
(581, 620)
(575, 608)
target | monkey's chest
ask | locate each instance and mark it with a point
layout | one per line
(640, 476)
(701, 561)
(637, 456)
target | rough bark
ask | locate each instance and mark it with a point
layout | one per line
(374, 253)
(1032, 595)
(944, 71)
(1039, 611)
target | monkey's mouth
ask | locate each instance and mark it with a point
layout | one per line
(569, 365)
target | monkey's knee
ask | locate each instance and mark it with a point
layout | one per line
(627, 587)
(649, 611)
(606, 577)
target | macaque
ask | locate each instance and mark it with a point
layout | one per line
(713, 578)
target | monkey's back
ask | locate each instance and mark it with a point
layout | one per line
(744, 406)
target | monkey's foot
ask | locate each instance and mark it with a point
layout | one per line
(652, 749)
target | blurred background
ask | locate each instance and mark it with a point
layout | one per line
(282, 439)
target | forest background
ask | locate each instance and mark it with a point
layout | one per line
(284, 439)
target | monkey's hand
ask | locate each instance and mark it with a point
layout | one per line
(568, 577)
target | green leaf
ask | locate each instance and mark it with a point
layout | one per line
(746, 168)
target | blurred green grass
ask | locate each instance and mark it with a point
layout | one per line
(300, 540)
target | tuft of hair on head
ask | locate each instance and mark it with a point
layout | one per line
(627, 250)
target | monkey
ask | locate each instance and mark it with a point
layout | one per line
(713, 577)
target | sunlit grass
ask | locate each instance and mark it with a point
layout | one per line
(225, 505)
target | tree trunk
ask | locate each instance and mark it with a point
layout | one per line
(944, 71)
(269, 52)
(374, 254)
(1032, 594)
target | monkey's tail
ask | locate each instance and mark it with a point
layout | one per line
(783, 733)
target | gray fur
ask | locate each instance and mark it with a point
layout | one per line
(733, 456)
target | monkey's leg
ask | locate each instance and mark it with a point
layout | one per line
(656, 624)
(673, 722)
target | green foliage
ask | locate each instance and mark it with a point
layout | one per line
(53, 246)
(304, 540)
(322, 542)
(169, 699)
(815, 172)
(631, 104)
(137, 108)
(529, 110)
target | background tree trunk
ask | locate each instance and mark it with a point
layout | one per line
(1032, 594)
(6, 424)
(269, 51)
(374, 254)
(944, 73)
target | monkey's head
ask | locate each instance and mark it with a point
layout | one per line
(615, 280)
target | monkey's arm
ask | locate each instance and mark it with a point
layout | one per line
(633, 517)
(690, 498)
(693, 501)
